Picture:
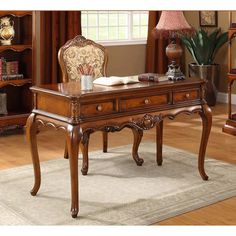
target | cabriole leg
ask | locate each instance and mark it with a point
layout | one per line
(31, 131)
(73, 138)
(206, 116)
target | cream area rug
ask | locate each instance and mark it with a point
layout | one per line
(116, 191)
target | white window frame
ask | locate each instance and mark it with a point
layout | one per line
(118, 42)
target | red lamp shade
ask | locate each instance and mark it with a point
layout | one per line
(171, 24)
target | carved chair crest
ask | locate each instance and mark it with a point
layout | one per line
(79, 51)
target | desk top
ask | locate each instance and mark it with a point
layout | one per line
(72, 89)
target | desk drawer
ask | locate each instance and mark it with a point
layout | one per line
(186, 95)
(141, 102)
(99, 108)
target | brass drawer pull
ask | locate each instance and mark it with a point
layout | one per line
(146, 101)
(99, 108)
(187, 95)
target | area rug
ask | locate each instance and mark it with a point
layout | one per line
(116, 191)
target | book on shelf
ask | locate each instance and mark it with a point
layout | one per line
(2, 66)
(116, 80)
(9, 70)
(152, 77)
(12, 67)
(11, 77)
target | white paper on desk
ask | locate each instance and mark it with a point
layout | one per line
(116, 80)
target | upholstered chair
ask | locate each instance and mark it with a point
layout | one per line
(81, 51)
(71, 55)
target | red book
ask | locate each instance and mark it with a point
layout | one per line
(12, 77)
(152, 77)
(12, 67)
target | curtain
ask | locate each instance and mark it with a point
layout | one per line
(156, 60)
(56, 27)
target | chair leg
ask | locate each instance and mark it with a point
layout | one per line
(159, 142)
(105, 140)
(84, 150)
(66, 155)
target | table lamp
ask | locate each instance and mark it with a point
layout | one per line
(171, 25)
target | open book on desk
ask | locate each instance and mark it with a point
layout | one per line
(116, 80)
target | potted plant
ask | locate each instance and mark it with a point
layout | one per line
(203, 47)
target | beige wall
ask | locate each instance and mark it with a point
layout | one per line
(221, 57)
(126, 60)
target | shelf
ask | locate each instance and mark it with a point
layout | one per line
(14, 118)
(15, 13)
(16, 47)
(18, 82)
(16, 114)
(19, 96)
(230, 124)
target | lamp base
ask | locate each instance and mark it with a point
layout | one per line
(174, 73)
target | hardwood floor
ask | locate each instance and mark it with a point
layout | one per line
(183, 132)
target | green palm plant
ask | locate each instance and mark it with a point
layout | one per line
(203, 46)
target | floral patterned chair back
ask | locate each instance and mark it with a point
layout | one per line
(78, 52)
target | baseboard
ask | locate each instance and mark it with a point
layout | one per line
(223, 98)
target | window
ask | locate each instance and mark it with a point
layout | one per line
(115, 27)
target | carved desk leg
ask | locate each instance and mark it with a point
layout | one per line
(84, 149)
(138, 134)
(73, 137)
(206, 116)
(159, 141)
(31, 130)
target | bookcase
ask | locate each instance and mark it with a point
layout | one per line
(21, 53)
(230, 125)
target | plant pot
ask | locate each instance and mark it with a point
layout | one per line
(209, 73)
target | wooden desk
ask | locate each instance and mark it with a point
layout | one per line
(141, 106)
